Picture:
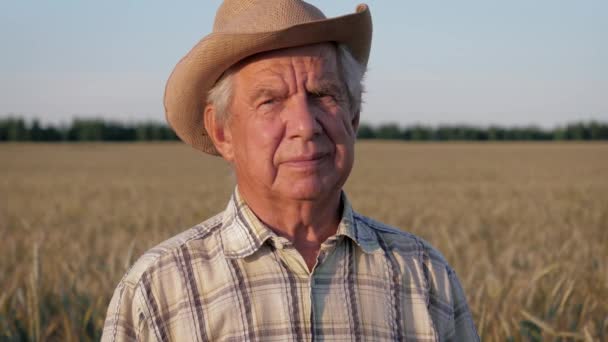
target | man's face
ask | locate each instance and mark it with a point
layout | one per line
(291, 134)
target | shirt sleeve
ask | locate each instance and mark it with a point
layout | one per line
(124, 317)
(463, 326)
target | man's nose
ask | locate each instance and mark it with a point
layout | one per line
(301, 119)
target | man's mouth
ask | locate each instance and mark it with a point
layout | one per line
(306, 160)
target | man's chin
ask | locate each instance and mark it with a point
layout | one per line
(304, 191)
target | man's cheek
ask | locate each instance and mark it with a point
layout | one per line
(338, 129)
(346, 125)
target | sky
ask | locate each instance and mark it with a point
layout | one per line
(516, 62)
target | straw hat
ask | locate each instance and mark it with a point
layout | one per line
(243, 28)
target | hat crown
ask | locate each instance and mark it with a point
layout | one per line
(252, 16)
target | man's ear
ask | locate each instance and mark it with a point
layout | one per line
(355, 122)
(219, 132)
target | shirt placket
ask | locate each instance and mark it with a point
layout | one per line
(296, 264)
(326, 248)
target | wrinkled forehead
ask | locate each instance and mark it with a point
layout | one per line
(320, 58)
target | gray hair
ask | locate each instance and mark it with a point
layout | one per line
(351, 71)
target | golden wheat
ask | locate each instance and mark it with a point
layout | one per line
(524, 225)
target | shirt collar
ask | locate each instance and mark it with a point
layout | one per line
(242, 232)
(361, 234)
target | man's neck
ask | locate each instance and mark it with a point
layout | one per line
(306, 223)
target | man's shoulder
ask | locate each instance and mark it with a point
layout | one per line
(401, 241)
(158, 256)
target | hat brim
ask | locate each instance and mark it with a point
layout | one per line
(196, 73)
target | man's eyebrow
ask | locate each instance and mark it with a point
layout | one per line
(262, 90)
(327, 85)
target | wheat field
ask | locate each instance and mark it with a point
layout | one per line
(525, 226)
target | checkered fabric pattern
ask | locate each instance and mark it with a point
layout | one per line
(231, 278)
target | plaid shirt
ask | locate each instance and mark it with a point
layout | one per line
(231, 278)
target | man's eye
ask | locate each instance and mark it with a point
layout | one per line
(268, 102)
(324, 96)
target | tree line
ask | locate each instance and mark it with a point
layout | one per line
(19, 129)
(591, 130)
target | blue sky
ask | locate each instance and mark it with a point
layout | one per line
(476, 62)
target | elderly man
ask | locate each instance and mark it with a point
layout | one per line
(276, 90)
